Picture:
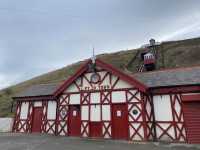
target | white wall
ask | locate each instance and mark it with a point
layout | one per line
(95, 113)
(95, 98)
(84, 112)
(37, 104)
(162, 108)
(106, 113)
(75, 99)
(106, 82)
(24, 110)
(122, 84)
(118, 97)
(51, 112)
(6, 124)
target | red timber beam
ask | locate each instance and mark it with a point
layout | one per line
(122, 75)
(150, 118)
(34, 98)
(17, 117)
(108, 68)
(193, 97)
(82, 69)
(175, 89)
(144, 116)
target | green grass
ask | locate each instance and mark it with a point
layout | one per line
(170, 54)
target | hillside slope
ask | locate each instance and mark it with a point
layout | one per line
(170, 54)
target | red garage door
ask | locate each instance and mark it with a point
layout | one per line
(37, 119)
(95, 129)
(74, 120)
(192, 120)
(119, 121)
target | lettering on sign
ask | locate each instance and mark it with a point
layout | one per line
(95, 87)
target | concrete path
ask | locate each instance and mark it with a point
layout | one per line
(48, 142)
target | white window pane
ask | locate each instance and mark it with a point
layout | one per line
(24, 110)
(84, 112)
(162, 108)
(106, 112)
(51, 113)
(95, 113)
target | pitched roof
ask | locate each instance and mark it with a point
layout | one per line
(39, 90)
(153, 79)
(105, 66)
(170, 77)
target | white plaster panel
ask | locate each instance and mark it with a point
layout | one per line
(72, 88)
(75, 99)
(95, 113)
(106, 113)
(37, 104)
(82, 129)
(85, 82)
(122, 84)
(51, 112)
(95, 98)
(132, 131)
(162, 108)
(105, 130)
(170, 131)
(118, 97)
(24, 110)
(85, 113)
(135, 116)
(106, 81)
(133, 99)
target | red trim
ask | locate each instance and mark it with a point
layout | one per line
(82, 69)
(122, 75)
(177, 89)
(191, 98)
(105, 66)
(34, 98)
(149, 61)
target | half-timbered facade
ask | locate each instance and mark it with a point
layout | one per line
(99, 101)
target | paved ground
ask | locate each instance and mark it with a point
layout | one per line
(47, 142)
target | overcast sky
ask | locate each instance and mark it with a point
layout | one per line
(37, 36)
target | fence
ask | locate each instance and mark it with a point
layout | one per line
(6, 124)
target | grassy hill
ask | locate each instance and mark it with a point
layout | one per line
(169, 55)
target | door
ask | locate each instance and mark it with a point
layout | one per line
(192, 121)
(119, 121)
(74, 120)
(95, 129)
(37, 119)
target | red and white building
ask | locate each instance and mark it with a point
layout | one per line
(101, 101)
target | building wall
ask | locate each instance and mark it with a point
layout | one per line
(169, 121)
(24, 116)
(96, 102)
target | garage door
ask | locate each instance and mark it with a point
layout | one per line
(74, 120)
(37, 119)
(119, 121)
(192, 120)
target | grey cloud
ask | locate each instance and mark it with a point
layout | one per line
(38, 36)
